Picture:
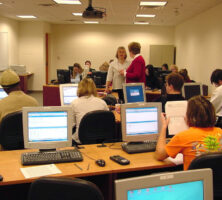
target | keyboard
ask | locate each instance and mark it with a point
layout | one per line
(62, 156)
(146, 146)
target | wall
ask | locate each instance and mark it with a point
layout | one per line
(12, 28)
(98, 43)
(199, 44)
(32, 51)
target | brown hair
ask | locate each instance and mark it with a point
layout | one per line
(200, 112)
(134, 47)
(184, 73)
(86, 87)
(79, 67)
(121, 48)
(176, 80)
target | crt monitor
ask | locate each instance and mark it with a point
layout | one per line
(134, 92)
(3, 94)
(140, 121)
(47, 127)
(192, 89)
(99, 78)
(185, 185)
(68, 93)
(63, 76)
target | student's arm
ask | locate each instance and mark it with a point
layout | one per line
(160, 153)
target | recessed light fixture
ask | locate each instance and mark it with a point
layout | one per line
(77, 2)
(153, 3)
(91, 22)
(0, 3)
(145, 15)
(77, 14)
(26, 16)
(142, 23)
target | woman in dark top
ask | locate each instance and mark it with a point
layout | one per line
(152, 81)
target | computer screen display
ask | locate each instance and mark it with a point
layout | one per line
(140, 121)
(192, 89)
(63, 76)
(68, 92)
(184, 185)
(134, 92)
(3, 94)
(47, 127)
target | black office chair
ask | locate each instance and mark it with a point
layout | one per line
(11, 131)
(96, 127)
(213, 161)
(50, 188)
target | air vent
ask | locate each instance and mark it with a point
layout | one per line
(47, 4)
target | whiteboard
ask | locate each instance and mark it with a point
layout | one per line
(3, 51)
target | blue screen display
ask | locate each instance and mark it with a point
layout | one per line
(181, 191)
(134, 94)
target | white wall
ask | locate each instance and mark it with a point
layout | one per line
(199, 44)
(32, 51)
(98, 43)
(11, 27)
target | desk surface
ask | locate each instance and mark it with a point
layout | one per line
(10, 163)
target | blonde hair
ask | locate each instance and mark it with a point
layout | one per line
(86, 87)
(79, 67)
(174, 67)
(121, 48)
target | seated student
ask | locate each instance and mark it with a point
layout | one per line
(16, 98)
(174, 84)
(184, 74)
(174, 68)
(77, 71)
(86, 102)
(88, 64)
(200, 118)
(216, 98)
(165, 67)
(152, 81)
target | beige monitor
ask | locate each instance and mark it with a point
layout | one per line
(68, 93)
(140, 121)
(186, 185)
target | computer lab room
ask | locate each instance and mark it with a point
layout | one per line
(110, 100)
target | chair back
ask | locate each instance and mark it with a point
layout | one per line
(96, 127)
(213, 161)
(50, 188)
(11, 131)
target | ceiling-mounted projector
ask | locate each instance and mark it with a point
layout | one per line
(91, 12)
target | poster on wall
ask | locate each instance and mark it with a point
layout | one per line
(3, 51)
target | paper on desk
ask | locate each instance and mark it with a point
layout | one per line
(178, 160)
(43, 170)
(176, 110)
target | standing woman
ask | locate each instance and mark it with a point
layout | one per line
(136, 71)
(114, 76)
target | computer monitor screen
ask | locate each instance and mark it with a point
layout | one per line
(68, 92)
(63, 76)
(191, 89)
(186, 185)
(3, 94)
(99, 78)
(47, 127)
(134, 92)
(140, 121)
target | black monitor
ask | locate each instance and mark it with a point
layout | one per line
(99, 78)
(63, 75)
(192, 89)
(162, 75)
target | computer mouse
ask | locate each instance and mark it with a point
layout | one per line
(101, 162)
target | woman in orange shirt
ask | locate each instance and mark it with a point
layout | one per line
(201, 119)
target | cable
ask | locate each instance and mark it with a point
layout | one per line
(88, 156)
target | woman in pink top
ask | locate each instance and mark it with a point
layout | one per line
(136, 71)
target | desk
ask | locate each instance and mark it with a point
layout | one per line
(24, 81)
(10, 164)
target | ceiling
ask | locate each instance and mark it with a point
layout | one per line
(118, 11)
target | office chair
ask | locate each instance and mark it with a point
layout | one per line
(11, 131)
(213, 161)
(50, 188)
(96, 127)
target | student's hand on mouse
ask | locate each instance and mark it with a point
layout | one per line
(164, 120)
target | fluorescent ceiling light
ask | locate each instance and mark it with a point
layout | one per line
(153, 3)
(77, 14)
(91, 22)
(144, 15)
(142, 23)
(26, 16)
(0, 3)
(77, 2)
